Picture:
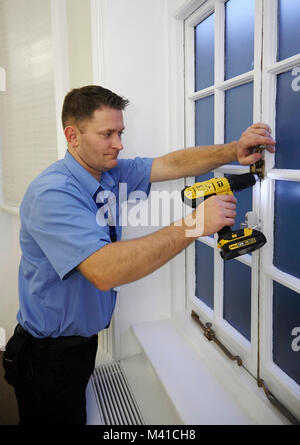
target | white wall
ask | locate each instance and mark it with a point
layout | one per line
(9, 261)
(80, 68)
(79, 42)
(135, 65)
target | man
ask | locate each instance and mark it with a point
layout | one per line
(72, 259)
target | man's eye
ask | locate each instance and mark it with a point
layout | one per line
(108, 134)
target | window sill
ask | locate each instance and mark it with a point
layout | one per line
(204, 387)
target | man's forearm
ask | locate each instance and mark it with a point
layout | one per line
(193, 161)
(126, 261)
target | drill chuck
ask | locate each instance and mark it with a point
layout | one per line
(241, 182)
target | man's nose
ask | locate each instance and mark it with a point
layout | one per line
(117, 143)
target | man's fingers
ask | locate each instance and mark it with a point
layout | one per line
(230, 207)
(229, 222)
(264, 131)
(262, 126)
(262, 139)
(228, 198)
(230, 214)
(260, 131)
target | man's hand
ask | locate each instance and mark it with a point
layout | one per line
(211, 216)
(257, 134)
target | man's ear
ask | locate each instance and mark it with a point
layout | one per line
(71, 136)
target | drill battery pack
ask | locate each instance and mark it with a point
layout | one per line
(235, 243)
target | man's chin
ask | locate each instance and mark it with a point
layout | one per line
(111, 164)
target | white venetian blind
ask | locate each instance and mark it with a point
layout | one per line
(27, 107)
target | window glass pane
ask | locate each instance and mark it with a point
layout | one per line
(205, 53)
(205, 273)
(289, 29)
(239, 37)
(286, 317)
(287, 223)
(237, 296)
(205, 177)
(204, 121)
(287, 120)
(238, 111)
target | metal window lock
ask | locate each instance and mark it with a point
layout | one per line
(251, 221)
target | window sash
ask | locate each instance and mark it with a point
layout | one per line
(278, 381)
(232, 338)
(264, 272)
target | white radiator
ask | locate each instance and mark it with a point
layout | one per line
(115, 400)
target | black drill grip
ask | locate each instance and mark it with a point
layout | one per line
(225, 233)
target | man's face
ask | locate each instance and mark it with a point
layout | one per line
(99, 140)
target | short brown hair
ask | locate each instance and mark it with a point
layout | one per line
(81, 103)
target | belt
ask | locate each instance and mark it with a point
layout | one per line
(52, 343)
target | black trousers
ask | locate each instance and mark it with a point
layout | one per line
(51, 384)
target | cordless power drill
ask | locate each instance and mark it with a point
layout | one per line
(232, 243)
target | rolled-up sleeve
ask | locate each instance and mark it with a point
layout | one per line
(65, 228)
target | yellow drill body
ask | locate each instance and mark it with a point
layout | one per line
(231, 243)
(215, 186)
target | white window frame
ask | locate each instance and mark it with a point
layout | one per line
(229, 335)
(264, 272)
(279, 382)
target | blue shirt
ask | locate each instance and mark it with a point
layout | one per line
(60, 227)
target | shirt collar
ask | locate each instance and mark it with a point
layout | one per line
(85, 178)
